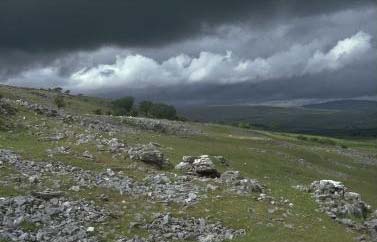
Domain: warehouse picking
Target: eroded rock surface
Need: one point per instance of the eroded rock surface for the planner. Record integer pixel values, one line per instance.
(198, 165)
(335, 199)
(165, 227)
(148, 153)
(239, 184)
(345, 207)
(27, 218)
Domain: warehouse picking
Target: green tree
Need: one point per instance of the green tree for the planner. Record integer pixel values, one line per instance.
(59, 101)
(163, 111)
(123, 105)
(145, 107)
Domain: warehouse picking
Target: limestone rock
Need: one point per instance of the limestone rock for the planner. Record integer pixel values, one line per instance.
(148, 153)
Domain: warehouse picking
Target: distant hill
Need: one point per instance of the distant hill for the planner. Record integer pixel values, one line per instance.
(349, 118)
(353, 105)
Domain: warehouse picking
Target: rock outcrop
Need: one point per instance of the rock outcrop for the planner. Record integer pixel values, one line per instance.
(148, 153)
(335, 199)
(198, 165)
(345, 207)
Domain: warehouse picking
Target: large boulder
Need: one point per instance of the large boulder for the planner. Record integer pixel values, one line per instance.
(198, 165)
(148, 153)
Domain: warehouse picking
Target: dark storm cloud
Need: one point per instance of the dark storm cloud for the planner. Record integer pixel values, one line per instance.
(218, 52)
(341, 84)
(48, 25)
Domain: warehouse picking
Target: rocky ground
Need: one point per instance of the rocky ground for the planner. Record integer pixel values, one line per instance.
(90, 179)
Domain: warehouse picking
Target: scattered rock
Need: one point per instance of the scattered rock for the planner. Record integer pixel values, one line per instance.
(59, 150)
(344, 206)
(56, 219)
(336, 201)
(75, 188)
(240, 184)
(166, 227)
(87, 155)
(148, 153)
(161, 126)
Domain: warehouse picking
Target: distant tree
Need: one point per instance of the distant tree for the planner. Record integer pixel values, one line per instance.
(59, 101)
(145, 107)
(67, 92)
(123, 105)
(244, 125)
(163, 111)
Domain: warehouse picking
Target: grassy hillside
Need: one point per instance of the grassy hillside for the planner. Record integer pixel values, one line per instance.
(335, 121)
(278, 160)
(75, 104)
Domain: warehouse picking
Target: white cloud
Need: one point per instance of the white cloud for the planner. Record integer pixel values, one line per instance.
(345, 52)
(138, 71)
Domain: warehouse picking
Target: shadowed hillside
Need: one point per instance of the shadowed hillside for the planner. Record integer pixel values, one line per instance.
(349, 118)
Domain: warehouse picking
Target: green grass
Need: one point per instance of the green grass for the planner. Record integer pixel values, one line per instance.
(279, 160)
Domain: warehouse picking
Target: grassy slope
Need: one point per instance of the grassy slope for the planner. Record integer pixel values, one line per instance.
(74, 104)
(267, 156)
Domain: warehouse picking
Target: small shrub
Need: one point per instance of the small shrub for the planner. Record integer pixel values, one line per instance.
(98, 111)
(327, 141)
(323, 141)
(29, 226)
(302, 137)
(134, 113)
(244, 125)
(59, 101)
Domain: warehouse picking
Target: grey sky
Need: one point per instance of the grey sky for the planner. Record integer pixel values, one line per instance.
(217, 51)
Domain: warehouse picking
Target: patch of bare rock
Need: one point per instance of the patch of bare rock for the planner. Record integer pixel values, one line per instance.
(48, 217)
(345, 207)
(162, 126)
(204, 166)
(160, 187)
(165, 227)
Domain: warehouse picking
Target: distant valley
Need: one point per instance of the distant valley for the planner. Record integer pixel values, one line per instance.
(334, 118)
